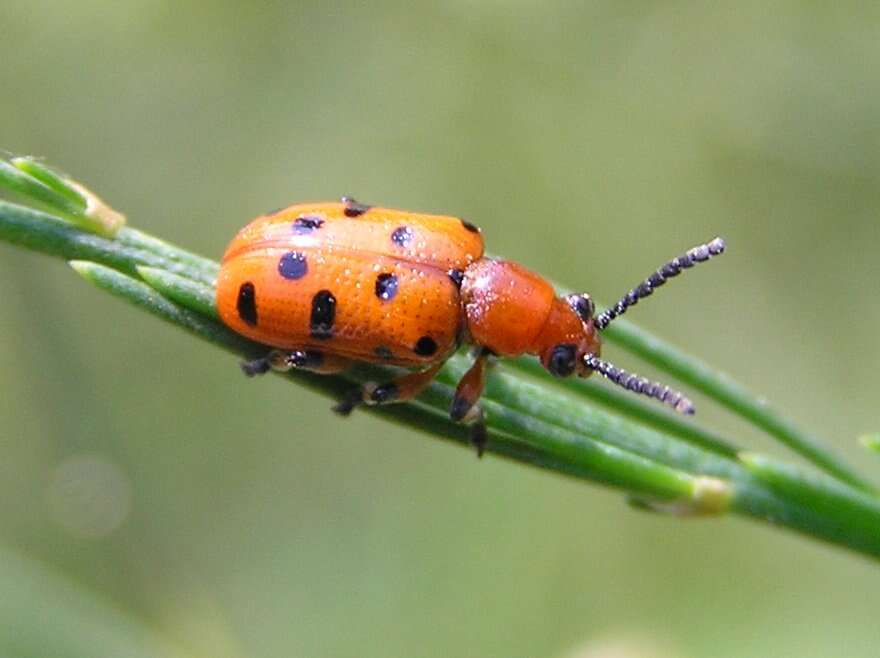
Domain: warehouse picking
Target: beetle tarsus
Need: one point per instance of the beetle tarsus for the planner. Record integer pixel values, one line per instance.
(256, 366)
(346, 405)
(479, 436)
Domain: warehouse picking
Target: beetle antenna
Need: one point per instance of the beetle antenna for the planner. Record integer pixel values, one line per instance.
(641, 385)
(693, 256)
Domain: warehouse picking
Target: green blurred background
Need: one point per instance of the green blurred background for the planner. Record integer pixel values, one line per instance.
(590, 141)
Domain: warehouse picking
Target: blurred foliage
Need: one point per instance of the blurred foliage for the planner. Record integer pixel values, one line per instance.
(590, 141)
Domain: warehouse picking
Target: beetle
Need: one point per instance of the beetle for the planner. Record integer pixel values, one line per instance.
(328, 284)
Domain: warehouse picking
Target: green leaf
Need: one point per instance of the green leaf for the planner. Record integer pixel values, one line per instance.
(36, 191)
(73, 201)
(185, 292)
(855, 514)
(51, 179)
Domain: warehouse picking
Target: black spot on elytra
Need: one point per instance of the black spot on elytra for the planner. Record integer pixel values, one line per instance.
(562, 360)
(247, 303)
(353, 208)
(383, 353)
(386, 286)
(305, 224)
(426, 346)
(457, 277)
(402, 236)
(323, 315)
(470, 227)
(293, 265)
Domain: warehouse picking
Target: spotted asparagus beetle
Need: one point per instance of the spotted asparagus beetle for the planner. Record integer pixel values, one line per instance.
(329, 284)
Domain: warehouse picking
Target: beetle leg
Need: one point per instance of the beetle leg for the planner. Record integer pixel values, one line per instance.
(282, 361)
(464, 407)
(479, 435)
(256, 366)
(401, 389)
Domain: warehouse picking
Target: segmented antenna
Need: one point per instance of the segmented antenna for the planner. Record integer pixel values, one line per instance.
(641, 385)
(673, 268)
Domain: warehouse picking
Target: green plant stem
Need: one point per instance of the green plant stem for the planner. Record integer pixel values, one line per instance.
(52, 180)
(732, 395)
(857, 514)
(50, 235)
(624, 469)
(200, 297)
(37, 191)
(648, 413)
(846, 516)
(680, 468)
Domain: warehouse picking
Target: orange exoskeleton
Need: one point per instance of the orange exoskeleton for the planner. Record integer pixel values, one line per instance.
(328, 284)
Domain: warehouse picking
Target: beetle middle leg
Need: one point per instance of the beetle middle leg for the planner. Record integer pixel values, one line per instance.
(284, 360)
(401, 389)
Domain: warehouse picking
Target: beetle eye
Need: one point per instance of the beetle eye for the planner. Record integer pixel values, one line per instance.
(562, 360)
(582, 305)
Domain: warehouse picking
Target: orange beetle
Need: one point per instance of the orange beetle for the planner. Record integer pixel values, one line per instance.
(327, 284)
